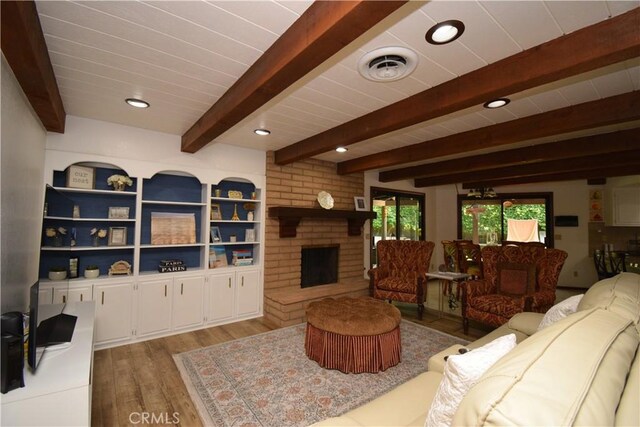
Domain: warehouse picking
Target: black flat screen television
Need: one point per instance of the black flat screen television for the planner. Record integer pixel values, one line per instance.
(48, 326)
(57, 329)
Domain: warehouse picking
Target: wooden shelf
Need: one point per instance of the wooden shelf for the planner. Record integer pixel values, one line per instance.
(290, 217)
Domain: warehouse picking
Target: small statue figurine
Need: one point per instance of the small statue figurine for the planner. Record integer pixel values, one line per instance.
(235, 216)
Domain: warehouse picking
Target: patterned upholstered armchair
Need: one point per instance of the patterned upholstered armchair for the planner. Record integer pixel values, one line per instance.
(400, 272)
(516, 279)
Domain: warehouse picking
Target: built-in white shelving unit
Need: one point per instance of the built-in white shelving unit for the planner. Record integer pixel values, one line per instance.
(146, 303)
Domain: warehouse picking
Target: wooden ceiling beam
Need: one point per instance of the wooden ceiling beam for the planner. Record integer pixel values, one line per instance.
(624, 158)
(26, 51)
(320, 32)
(590, 48)
(612, 110)
(597, 174)
(585, 146)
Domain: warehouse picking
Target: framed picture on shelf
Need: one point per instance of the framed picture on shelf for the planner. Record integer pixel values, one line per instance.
(250, 235)
(81, 177)
(359, 203)
(118, 212)
(216, 213)
(117, 236)
(217, 257)
(73, 267)
(216, 237)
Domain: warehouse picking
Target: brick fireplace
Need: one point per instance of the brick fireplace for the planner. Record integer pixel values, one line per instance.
(297, 185)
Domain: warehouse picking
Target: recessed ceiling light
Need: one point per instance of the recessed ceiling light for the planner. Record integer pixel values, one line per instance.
(497, 103)
(262, 132)
(445, 32)
(138, 103)
(341, 149)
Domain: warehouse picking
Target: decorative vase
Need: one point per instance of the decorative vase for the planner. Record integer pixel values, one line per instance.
(96, 240)
(57, 275)
(249, 216)
(118, 186)
(57, 240)
(91, 274)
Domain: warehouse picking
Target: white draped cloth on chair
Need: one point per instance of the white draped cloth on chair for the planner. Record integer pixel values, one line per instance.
(522, 230)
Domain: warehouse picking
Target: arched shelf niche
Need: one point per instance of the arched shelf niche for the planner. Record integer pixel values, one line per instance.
(173, 186)
(86, 175)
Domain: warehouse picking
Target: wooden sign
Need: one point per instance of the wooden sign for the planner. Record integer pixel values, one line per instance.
(81, 177)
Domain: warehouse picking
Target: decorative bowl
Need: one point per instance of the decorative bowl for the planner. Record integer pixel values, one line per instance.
(57, 275)
(234, 194)
(325, 200)
(91, 274)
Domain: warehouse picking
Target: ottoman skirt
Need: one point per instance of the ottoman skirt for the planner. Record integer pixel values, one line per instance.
(353, 354)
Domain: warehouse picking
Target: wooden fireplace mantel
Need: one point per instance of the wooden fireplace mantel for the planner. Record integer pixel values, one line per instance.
(289, 218)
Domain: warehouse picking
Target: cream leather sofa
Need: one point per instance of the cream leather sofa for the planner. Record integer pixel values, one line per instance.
(582, 370)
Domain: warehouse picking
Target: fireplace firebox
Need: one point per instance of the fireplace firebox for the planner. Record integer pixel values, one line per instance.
(319, 265)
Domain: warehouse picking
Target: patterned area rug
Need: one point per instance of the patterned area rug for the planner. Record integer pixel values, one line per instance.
(267, 380)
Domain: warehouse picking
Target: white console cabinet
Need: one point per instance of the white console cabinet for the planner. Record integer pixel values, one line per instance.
(233, 296)
(154, 306)
(73, 294)
(169, 303)
(188, 302)
(59, 393)
(221, 296)
(114, 304)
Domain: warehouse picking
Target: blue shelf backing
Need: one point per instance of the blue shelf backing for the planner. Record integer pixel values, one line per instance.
(151, 257)
(145, 237)
(172, 188)
(225, 186)
(103, 259)
(238, 229)
(101, 175)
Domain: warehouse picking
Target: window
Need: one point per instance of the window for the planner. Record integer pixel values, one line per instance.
(489, 217)
(400, 216)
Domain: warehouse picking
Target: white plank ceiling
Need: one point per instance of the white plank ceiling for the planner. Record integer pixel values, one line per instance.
(181, 56)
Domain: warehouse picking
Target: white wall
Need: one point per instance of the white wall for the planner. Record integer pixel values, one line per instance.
(569, 198)
(22, 159)
(125, 142)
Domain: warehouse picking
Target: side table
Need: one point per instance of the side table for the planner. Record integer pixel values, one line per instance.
(445, 279)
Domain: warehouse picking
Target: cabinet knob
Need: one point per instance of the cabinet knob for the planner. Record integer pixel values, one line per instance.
(165, 290)
(102, 297)
(242, 281)
(81, 295)
(64, 299)
(229, 282)
(181, 288)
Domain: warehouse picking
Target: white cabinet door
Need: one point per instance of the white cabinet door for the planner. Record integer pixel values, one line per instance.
(626, 206)
(221, 301)
(113, 311)
(75, 294)
(247, 293)
(154, 306)
(188, 301)
(45, 295)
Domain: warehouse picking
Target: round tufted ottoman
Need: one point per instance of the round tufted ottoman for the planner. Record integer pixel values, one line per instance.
(353, 334)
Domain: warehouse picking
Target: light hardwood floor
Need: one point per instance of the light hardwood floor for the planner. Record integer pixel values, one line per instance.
(142, 377)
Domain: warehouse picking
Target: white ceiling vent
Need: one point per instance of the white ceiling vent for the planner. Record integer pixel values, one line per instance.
(388, 64)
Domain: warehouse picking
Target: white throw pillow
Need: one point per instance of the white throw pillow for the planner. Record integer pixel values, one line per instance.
(461, 372)
(560, 311)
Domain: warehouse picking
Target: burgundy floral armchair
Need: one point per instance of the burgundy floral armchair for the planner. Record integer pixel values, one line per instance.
(400, 274)
(516, 279)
